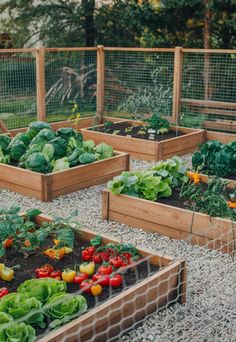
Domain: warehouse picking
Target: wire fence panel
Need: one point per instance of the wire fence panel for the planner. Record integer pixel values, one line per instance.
(208, 90)
(70, 78)
(138, 83)
(18, 106)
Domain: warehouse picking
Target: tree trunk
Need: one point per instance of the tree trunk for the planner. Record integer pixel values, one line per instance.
(88, 7)
(207, 45)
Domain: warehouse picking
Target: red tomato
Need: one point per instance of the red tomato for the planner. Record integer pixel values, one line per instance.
(55, 274)
(116, 262)
(80, 277)
(7, 243)
(86, 286)
(105, 269)
(102, 279)
(97, 259)
(127, 255)
(105, 256)
(86, 256)
(3, 292)
(90, 249)
(116, 280)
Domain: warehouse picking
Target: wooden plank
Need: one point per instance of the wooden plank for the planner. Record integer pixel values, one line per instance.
(209, 50)
(205, 103)
(46, 189)
(23, 178)
(221, 125)
(176, 223)
(18, 50)
(215, 111)
(71, 49)
(134, 49)
(225, 138)
(84, 173)
(140, 209)
(177, 84)
(100, 81)
(121, 143)
(4, 127)
(40, 82)
(20, 189)
(186, 142)
(86, 184)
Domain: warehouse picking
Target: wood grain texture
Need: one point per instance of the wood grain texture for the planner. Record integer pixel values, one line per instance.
(171, 221)
(150, 150)
(46, 187)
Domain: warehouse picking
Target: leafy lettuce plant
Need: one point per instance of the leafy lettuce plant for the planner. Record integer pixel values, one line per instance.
(17, 332)
(63, 307)
(42, 289)
(19, 306)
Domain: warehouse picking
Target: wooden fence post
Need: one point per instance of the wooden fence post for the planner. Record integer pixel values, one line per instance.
(40, 73)
(100, 82)
(177, 84)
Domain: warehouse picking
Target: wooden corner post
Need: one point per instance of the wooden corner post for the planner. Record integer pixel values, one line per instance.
(177, 84)
(40, 73)
(100, 82)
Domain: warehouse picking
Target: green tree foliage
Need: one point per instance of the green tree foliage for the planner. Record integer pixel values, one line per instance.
(122, 23)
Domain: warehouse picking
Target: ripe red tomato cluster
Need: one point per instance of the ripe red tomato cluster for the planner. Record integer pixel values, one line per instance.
(47, 271)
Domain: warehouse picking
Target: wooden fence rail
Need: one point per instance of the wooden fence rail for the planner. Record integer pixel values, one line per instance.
(206, 106)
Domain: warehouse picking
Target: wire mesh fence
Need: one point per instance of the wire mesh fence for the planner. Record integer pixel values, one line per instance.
(138, 82)
(18, 105)
(208, 90)
(70, 79)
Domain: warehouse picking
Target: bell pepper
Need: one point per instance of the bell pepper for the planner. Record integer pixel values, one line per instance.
(3, 292)
(56, 274)
(80, 277)
(57, 253)
(68, 276)
(44, 271)
(7, 274)
(88, 268)
(96, 290)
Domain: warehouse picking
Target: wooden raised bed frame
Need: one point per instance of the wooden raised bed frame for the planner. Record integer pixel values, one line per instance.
(176, 223)
(147, 149)
(166, 286)
(47, 186)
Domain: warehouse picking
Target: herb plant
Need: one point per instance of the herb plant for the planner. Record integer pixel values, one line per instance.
(161, 126)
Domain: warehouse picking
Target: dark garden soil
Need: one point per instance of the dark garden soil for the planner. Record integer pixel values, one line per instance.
(128, 130)
(29, 264)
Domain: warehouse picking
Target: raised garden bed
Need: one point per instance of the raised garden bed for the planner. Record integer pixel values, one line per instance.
(47, 186)
(153, 283)
(169, 220)
(179, 141)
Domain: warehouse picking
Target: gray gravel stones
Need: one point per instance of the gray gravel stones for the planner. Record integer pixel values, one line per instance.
(210, 312)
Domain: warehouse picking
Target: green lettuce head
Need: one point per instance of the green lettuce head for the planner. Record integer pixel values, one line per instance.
(63, 307)
(17, 332)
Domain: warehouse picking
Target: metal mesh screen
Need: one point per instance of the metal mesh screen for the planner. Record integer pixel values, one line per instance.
(17, 88)
(208, 77)
(138, 82)
(70, 78)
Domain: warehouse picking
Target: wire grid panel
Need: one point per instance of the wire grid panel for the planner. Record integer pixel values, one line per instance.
(138, 83)
(209, 80)
(70, 78)
(18, 106)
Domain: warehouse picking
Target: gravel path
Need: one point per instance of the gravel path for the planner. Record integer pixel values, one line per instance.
(210, 312)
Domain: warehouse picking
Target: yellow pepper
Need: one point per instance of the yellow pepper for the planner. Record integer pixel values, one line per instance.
(6, 273)
(96, 290)
(57, 253)
(87, 268)
(68, 276)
